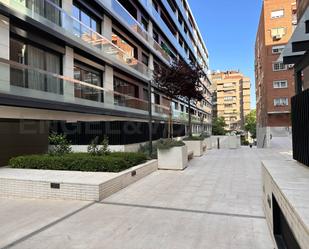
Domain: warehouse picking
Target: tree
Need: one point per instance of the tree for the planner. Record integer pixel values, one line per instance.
(169, 81)
(250, 123)
(218, 126)
(192, 88)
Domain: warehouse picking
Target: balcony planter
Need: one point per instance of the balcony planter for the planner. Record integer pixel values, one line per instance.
(172, 156)
(195, 144)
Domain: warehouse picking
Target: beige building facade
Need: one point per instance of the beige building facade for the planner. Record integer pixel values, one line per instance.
(231, 98)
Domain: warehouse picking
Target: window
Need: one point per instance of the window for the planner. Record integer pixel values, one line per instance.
(156, 36)
(280, 84)
(144, 23)
(124, 44)
(277, 49)
(145, 59)
(157, 99)
(278, 33)
(279, 66)
(176, 105)
(277, 14)
(91, 76)
(43, 59)
(155, 5)
(125, 88)
(145, 94)
(228, 98)
(182, 108)
(88, 20)
(281, 102)
(46, 9)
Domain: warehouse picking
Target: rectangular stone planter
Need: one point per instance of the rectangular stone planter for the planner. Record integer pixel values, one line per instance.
(69, 185)
(175, 158)
(196, 146)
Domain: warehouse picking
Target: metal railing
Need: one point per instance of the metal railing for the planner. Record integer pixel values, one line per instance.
(300, 124)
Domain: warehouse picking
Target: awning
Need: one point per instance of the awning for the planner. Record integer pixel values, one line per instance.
(298, 44)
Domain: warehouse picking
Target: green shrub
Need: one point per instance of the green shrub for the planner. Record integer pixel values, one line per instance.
(114, 162)
(60, 145)
(96, 150)
(165, 144)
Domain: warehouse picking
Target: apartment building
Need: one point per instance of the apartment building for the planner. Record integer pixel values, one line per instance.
(231, 92)
(83, 68)
(274, 80)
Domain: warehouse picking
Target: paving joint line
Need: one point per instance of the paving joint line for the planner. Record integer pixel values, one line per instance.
(184, 210)
(53, 223)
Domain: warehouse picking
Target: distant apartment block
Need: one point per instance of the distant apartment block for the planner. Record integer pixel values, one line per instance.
(231, 92)
(82, 68)
(274, 80)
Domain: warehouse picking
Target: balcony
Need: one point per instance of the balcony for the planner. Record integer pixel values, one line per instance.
(127, 19)
(26, 81)
(56, 18)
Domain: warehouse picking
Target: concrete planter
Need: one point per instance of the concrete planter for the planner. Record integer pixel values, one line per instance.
(175, 158)
(196, 146)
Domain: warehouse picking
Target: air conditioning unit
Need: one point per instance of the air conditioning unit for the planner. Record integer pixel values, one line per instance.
(291, 66)
(277, 37)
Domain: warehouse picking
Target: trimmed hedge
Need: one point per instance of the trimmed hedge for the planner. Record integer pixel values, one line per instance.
(114, 162)
(168, 144)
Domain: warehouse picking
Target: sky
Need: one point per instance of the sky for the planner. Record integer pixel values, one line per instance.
(229, 30)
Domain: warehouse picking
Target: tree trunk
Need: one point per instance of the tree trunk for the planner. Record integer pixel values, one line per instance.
(190, 122)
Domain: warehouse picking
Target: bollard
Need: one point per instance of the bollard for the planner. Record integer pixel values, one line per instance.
(218, 143)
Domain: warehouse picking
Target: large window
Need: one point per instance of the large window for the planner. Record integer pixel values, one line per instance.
(38, 59)
(124, 45)
(277, 14)
(91, 76)
(280, 84)
(125, 90)
(281, 102)
(48, 9)
(88, 20)
(279, 66)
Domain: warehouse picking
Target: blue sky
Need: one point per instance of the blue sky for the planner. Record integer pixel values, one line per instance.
(229, 30)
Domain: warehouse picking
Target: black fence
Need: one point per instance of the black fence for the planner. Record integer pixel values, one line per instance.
(118, 132)
(300, 127)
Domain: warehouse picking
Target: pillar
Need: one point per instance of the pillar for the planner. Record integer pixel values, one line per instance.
(4, 53)
(108, 84)
(68, 71)
(107, 27)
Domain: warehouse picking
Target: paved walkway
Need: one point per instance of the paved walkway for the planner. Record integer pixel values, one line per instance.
(213, 204)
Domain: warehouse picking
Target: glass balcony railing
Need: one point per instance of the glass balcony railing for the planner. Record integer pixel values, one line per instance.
(53, 14)
(122, 13)
(127, 18)
(26, 81)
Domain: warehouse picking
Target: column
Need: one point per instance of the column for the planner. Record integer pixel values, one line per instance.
(4, 53)
(68, 71)
(108, 84)
(67, 6)
(107, 27)
(150, 32)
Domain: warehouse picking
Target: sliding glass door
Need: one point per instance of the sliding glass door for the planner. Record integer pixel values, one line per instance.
(42, 65)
